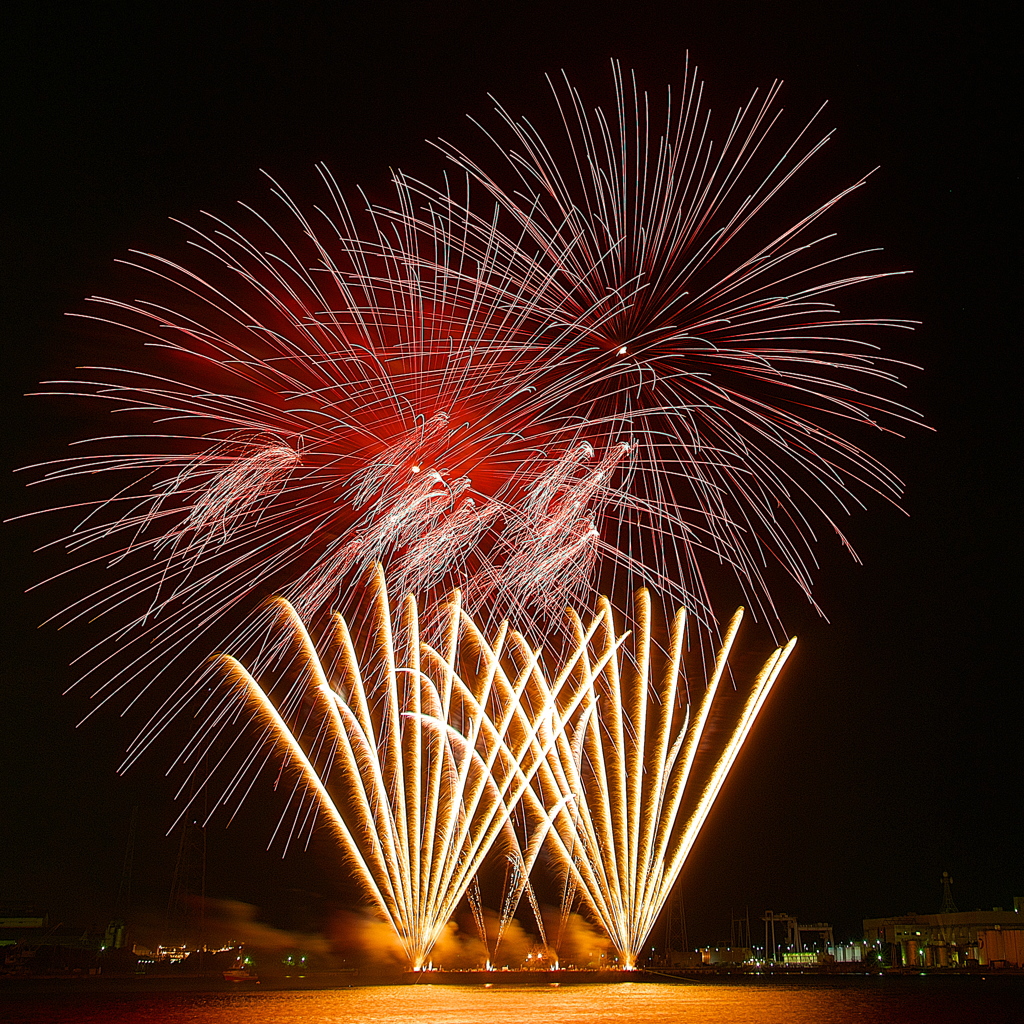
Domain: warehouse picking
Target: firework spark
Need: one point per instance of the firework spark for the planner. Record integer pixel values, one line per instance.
(656, 301)
(325, 421)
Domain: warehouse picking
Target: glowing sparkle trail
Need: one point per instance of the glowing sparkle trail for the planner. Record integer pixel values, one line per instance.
(638, 770)
(417, 756)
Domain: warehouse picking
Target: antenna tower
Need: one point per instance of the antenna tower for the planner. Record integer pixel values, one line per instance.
(948, 906)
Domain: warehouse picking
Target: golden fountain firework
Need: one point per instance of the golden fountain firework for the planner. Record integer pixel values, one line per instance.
(420, 755)
(642, 767)
(417, 756)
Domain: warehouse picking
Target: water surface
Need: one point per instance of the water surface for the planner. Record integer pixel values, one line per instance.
(881, 1001)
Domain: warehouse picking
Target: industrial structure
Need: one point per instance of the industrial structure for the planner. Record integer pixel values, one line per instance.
(987, 938)
(794, 947)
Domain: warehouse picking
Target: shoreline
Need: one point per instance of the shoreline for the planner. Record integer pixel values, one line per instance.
(83, 984)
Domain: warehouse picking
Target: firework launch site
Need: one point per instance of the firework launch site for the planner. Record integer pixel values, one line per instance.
(38, 957)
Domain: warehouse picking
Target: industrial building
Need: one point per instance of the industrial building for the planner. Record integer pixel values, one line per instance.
(989, 938)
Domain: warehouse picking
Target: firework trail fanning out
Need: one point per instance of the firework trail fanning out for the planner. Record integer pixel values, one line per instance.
(327, 419)
(419, 756)
(601, 373)
(643, 769)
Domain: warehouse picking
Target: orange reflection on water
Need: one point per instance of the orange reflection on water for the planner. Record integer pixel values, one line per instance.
(855, 1000)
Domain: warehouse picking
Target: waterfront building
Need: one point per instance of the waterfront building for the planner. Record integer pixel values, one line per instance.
(988, 938)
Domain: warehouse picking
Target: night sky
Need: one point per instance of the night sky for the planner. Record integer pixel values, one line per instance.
(891, 749)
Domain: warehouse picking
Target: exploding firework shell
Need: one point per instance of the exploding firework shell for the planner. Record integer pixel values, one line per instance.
(317, 415)
(588, 370)
(657, 302)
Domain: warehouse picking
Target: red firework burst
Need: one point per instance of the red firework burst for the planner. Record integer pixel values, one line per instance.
(316, 414)
(596, 366)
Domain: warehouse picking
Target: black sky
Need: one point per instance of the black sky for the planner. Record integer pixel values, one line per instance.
(892, 749)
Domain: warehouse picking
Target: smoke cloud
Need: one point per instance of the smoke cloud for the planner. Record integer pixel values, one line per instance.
(234, 922)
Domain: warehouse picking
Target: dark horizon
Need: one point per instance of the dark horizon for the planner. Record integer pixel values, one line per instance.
(890, 750)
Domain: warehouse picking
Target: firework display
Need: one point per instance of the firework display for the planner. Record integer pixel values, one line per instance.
(593, 366)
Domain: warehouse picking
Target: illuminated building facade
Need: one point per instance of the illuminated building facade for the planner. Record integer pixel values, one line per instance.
(989, 938)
